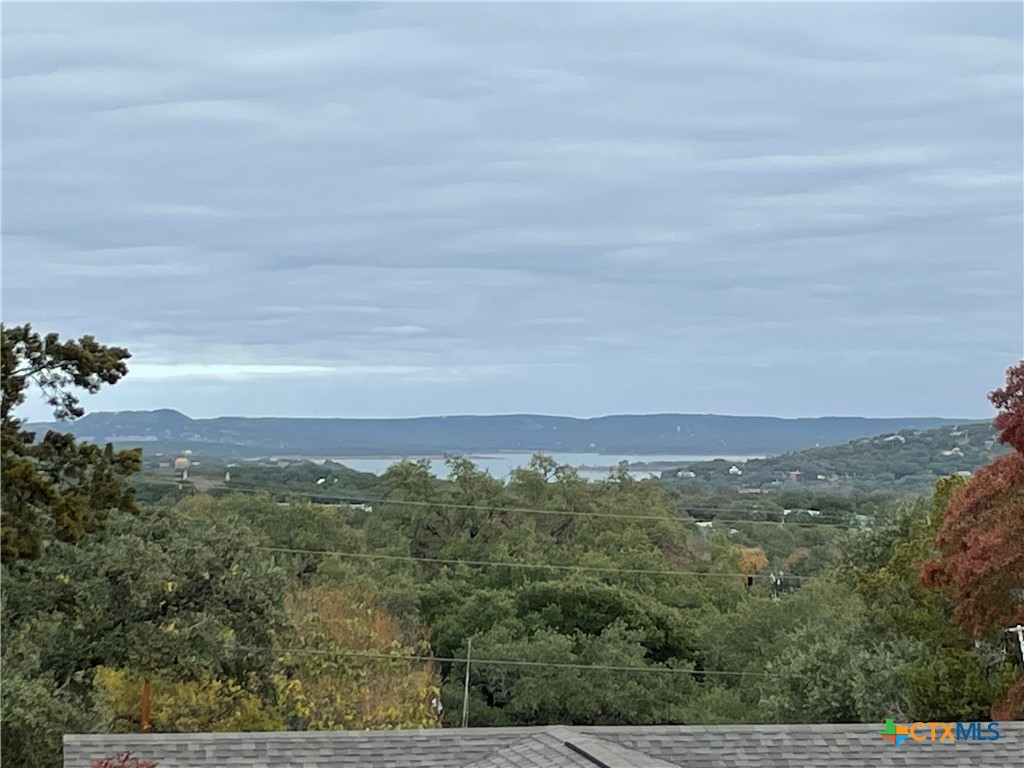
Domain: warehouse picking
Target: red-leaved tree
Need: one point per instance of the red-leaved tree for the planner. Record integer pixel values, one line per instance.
(123, 760)
(980, 546)
(1009, 401)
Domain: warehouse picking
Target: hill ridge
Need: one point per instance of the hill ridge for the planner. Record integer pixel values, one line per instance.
(678, 433)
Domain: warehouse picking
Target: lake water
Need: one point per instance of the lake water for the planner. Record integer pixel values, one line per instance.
(499, 465)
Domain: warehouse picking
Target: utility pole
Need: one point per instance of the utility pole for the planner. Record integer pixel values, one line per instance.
(465, 689)
(1019, 629)
(145, 706)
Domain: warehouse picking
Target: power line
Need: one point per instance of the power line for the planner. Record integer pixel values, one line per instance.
(500, 662)
(501, 564)
(352, 499)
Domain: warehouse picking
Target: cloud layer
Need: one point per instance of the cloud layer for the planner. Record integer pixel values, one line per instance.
(339, 209)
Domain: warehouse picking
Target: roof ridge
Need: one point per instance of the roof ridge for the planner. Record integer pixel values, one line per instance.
(607, 754)
(539, 748)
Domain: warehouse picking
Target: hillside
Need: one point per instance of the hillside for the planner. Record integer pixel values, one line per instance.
(167, 430)
(909, 460)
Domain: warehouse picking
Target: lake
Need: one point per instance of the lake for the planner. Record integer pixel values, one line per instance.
(500, 465)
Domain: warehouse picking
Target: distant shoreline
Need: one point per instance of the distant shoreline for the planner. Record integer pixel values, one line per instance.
(636, 461)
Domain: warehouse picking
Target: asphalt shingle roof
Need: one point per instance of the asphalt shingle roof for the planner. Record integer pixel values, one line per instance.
(721, 746)
(539, 750)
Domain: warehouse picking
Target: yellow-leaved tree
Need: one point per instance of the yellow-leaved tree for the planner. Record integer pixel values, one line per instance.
(345, 666)
(751, 561)
(349, 667)
(182, 706)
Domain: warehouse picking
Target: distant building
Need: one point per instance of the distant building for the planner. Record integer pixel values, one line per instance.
(182, 463)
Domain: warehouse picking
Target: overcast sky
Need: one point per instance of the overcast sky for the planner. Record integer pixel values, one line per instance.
(411, 209)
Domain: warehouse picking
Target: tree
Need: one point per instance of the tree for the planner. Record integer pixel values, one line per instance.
(1009, 401)
(34, 709)
(56, 489)
(205, 704)
(348, 665)
(980, 560)
(174, 596)
(949, 677)
(751, 561)
(572, 678)
(834, 674)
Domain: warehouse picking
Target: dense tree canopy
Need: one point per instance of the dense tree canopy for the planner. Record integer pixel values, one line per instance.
(611, 602)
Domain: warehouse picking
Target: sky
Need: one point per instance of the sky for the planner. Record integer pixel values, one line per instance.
(578, 209)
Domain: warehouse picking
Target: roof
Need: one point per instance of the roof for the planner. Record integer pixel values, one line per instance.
(658, 746)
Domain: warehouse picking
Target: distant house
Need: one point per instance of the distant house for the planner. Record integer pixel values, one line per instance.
(655, 746)
(734, 470)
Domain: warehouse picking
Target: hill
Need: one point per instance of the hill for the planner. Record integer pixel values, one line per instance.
(907, 460)
(694, 434)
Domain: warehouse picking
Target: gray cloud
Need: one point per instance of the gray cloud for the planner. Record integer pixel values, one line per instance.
(582, 209)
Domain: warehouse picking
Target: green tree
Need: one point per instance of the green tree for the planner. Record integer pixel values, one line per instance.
(571, 678)
(169, 594)
(36, 709)
(56, 489)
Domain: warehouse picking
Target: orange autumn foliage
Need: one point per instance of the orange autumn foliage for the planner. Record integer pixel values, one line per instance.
(981, 548)
(751, 560)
